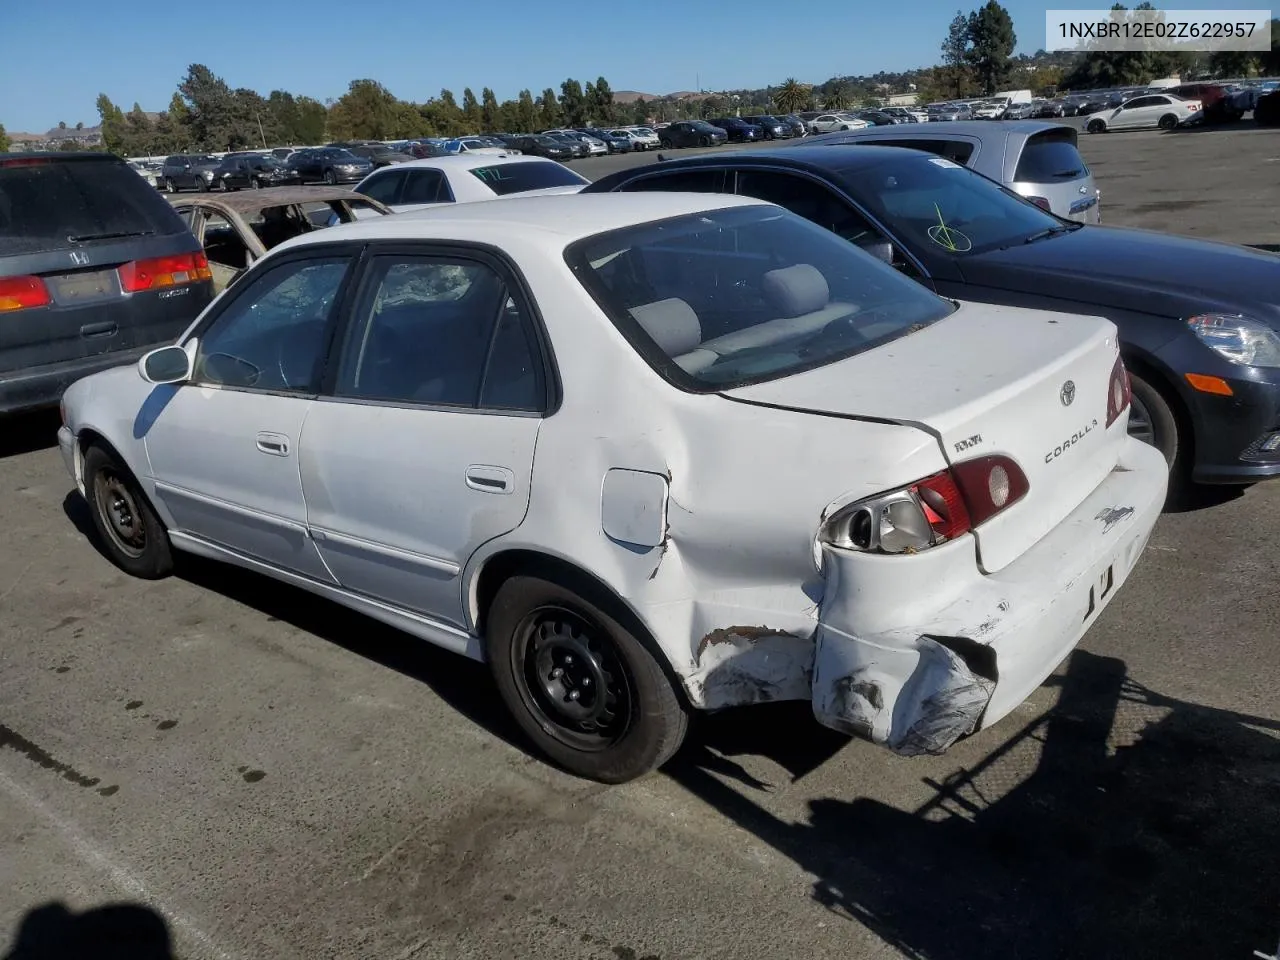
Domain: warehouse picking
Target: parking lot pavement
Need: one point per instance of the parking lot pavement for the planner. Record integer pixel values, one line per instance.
(279, 778)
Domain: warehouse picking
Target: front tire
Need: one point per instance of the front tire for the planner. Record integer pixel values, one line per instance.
(127, 526)
(330, 178)
(1096, 126)
(170, 187)
(1152, 420)
(579, 684)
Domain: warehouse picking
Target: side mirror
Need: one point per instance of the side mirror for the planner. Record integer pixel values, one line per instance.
(171, 364)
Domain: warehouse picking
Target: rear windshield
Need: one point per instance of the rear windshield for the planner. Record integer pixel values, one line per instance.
(508, 178)
(1050, 158)
(45, 204)
(728, 297)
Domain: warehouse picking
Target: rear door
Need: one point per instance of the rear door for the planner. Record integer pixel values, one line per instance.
(422, 447)
(77, 229)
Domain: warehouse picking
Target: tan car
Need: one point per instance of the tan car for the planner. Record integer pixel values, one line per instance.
(237, 229)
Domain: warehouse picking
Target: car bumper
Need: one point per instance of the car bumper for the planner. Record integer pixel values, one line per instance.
(1236, 436)
(67, 447)
(36, 388)
(916, 652)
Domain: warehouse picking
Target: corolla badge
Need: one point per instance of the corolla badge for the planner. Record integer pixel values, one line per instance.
(1068, 393)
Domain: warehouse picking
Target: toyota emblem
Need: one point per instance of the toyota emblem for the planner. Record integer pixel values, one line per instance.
(1068, 393)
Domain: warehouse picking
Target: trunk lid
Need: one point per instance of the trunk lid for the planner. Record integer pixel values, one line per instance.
(987, 380)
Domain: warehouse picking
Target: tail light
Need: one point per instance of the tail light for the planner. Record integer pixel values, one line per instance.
(160, 272)
(23, 293)
(1119, 392)
(1041, 202)
(928, 512)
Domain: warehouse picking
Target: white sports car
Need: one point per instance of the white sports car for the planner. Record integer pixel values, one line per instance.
(643, 454)
(465, 178)
(832, 122)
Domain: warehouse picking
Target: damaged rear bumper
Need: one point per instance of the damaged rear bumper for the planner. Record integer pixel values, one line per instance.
(914, 652)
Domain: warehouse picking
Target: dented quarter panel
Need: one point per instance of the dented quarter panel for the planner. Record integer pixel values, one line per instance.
(747, 488)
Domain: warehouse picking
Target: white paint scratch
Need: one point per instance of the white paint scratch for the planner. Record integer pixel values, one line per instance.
(118, 873)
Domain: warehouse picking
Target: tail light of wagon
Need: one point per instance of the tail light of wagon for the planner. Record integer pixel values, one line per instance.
(929, 512)
(142, 275)
(23, 293)
(1042, 203)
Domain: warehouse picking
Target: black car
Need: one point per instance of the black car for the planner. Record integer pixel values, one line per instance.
(188, 172)
(877, 118)
(774, 128)
(96, 268)
(1051, 108)
(539, 145)
(332, 165)
(239, 171)
(578, 147)
(738, 130)
(1199, 321)
(378, 154)
(691, 133)
(617, 143)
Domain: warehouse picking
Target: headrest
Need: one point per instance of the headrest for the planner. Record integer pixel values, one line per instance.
(672, 324)
(796, 290)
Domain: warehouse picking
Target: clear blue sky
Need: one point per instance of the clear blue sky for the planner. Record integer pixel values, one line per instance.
(60, 55)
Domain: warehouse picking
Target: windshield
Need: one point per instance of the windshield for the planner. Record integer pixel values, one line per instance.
(545, 140)
(508, 178)
(344, 155)
(703, 125)
(727, 297)
(945, 207)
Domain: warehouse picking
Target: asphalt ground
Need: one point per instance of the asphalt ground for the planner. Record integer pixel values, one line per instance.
(257, 773)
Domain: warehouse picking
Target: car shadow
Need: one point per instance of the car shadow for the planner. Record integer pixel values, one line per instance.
(118, 931)
(1122, 824)
(28, 432)
(1204, 497)
(460, 682)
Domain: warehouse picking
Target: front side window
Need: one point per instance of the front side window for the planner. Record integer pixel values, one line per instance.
(726, 297)
(384, 187)
(424, 333)
(680, 181)
(947, 208)
(272, 336)
(424, 186)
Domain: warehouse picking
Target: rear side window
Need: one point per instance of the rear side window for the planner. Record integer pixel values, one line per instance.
(508, 178)
(1050, 158)
(45, 205)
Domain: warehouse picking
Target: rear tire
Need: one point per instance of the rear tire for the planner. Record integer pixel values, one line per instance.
(579, 684)
(127, 526)
(1168, 122)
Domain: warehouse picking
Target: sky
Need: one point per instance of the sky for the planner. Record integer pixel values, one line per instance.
(316, 47)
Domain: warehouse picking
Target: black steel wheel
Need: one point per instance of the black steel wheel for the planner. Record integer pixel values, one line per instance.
(584, 689)
(132, 535)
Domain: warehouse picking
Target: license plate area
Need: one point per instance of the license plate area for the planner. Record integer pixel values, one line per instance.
(91, 286)
(1101, 590)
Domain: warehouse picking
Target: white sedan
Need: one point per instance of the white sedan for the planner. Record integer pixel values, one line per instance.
(643, 454)
(642, 137)
(465, 178)
(1150, 111)
(831, 122)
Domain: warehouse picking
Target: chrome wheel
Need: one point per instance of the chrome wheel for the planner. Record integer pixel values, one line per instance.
(1140, 427)
(116, 505)
(572, 678)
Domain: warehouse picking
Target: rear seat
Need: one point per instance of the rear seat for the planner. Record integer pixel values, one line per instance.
(799, 293)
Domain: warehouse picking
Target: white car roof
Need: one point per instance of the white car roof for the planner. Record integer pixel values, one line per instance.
(567, 218)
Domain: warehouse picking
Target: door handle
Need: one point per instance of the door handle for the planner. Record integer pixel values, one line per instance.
(488, 479)
(274, 444)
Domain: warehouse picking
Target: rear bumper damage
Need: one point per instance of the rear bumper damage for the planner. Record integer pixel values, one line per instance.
(915, 652)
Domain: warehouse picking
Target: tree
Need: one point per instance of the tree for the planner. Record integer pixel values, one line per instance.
(4, 140)
(602, 110)
(367, 111)
(835, 97)
(310, 124)
(792, 96)
(490, 112)
(215, 120)
(991, 40)
(548, 110)
(470, 111)
(955, 53)
(69, 145)
(525, 114)
(62, 124)
(138, 133)
(573, 104)
(111, 122)
(79, 125)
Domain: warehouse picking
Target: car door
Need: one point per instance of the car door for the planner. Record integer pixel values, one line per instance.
(421, 448)
(222, 447)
